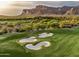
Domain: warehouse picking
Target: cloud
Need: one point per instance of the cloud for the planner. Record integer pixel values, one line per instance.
(31, 4)
(16, 7)
(58, 3)
(10, 11)
(23, 4)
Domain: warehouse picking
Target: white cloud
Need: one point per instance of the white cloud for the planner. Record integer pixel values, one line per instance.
(16, 7)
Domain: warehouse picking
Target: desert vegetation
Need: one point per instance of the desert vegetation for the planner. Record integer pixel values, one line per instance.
(37, 23)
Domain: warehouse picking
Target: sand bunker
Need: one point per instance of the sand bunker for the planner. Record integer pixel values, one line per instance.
(32, 47)
(27, 40)
(44, 35)
(38, 46)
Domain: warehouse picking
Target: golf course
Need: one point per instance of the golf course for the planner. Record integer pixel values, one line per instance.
(39, 28)
(39, 37)
(64, 42)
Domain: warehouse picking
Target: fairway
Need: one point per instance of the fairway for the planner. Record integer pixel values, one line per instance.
(65, 42)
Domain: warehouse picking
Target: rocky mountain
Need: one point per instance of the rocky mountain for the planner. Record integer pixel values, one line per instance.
(45, 10)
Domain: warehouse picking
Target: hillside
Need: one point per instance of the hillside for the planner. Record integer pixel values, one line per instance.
(42, 10)
(45, 10)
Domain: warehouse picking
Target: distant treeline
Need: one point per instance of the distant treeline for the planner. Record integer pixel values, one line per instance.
(39, 18)
(37, 23)
(42, 17)
(33, 18)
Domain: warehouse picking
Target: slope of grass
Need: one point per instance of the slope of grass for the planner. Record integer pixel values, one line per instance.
(65, 42)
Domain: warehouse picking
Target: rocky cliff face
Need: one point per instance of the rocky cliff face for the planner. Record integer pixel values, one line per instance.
(45, 10)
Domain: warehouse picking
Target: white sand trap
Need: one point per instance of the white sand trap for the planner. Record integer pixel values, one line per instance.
(32, 47)
(27, 40)
(38, 46)
(44, 43)
(44, 35)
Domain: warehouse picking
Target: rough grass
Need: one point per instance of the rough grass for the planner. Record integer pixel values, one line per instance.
(65, 42)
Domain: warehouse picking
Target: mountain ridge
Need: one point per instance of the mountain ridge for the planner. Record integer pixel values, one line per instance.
(43, 10)
(46, 10)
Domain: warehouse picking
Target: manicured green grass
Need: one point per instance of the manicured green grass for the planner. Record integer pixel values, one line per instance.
(65, 42)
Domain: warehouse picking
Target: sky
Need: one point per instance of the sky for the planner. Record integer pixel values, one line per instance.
(14, 8)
